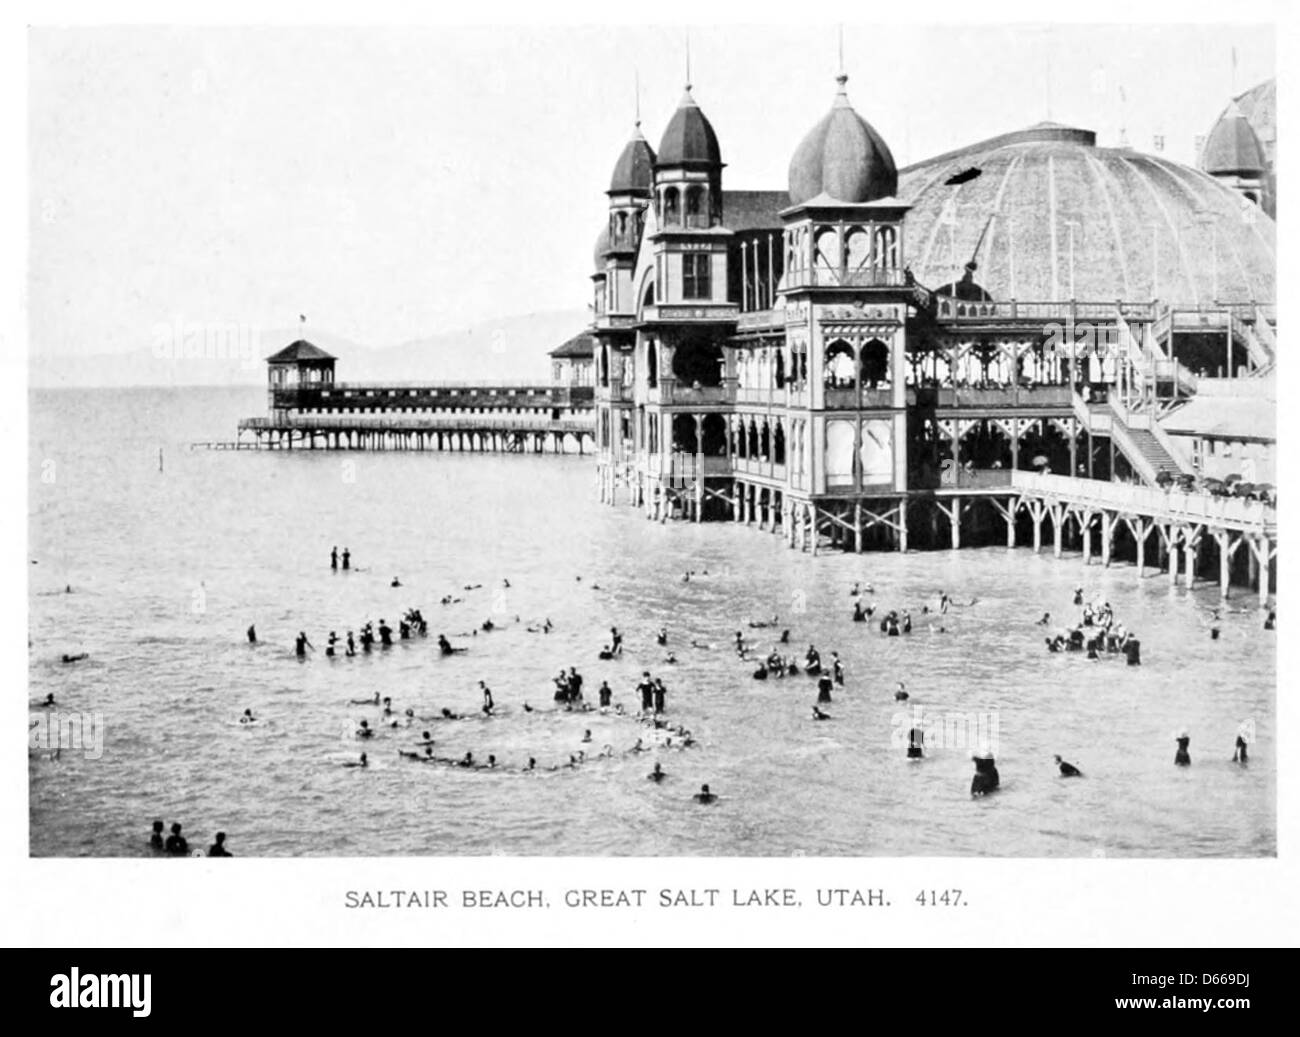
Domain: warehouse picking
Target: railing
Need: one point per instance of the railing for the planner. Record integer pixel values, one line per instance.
(687, 395)
(412, 423)
(870, 277)
(1176, 505)
(1015, 310)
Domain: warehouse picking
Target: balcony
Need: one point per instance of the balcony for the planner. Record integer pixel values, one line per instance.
(691, 313)
(823, 277)
(669, 393)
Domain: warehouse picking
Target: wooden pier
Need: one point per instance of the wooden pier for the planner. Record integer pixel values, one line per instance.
(464, 432)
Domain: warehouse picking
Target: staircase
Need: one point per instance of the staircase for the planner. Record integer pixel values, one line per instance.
(1143, 444)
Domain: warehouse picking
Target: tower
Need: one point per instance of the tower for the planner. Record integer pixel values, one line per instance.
(846, 295)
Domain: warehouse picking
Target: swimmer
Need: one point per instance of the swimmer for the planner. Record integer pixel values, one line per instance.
(352, 645)
(670, 659)
(532, 764)
(1047, 618)
(366, 702)
(248, 717)
(639, 747)
(252, 634)
(176, 844)
(785, 637)
(301, 644)
(1068, 770)
(527, 708)
(75, 658)
(901, 694)
(396, 582)
(492, 762)
(447, 714)
(334, 557)
(365, 730)
(466, 761)
(425, 738)
(986, 777)
(363, 762)
(488, 704)
(1270, 623)
(915, 743)
(1239, 754)
(586, 736)
(1078, 595)
(156, 841)
(705, 796)
(1182, 758)
(662, 636)
(657, 774)
(818, 714)
(824, 686)
(49, 701)
(218, 848)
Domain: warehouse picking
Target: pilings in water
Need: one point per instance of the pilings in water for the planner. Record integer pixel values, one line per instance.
(448, 440)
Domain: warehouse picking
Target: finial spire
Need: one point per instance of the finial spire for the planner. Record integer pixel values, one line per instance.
(688, 60)
(636, 75)
(841, 48)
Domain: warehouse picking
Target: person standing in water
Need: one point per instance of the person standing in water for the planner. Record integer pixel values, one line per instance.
(986, 777)
(347, 559)
(302, 644)
(176, 844)
(252, 634)
(156, 841)
(1182, 758)
(660, 694)
(334, 558)
(488, 704)
(218, 849)
(705, 796)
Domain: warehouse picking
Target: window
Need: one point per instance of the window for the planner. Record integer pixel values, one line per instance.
(695, 276)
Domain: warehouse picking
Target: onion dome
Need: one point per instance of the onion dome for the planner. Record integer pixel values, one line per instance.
(843, 158)
(689, 140)
(1233, 147)
(634, 171)
(602, 246)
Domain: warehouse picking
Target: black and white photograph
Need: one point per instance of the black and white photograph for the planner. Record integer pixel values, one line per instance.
(824, 437)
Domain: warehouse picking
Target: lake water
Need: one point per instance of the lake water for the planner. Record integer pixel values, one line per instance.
(168, 568)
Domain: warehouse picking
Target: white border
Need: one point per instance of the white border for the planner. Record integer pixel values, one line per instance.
(299, 902)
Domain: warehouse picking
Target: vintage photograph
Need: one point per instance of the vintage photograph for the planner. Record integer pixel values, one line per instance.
(699, 440)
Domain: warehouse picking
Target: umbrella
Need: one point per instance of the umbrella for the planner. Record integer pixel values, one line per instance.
(1039, 461)
(1244, 489)
(1234, 477)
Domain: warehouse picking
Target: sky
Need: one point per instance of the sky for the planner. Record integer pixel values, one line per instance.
(395, 183)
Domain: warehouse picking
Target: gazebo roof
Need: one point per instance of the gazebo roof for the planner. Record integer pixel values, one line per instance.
(299, 351)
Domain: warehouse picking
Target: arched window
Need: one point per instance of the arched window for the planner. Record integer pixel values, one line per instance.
(828, 250)
(857, 248)
(779, 373)
(714, 436)
(671, 214)
(764, 443)
(684, 440)
(886, 254)
(604, 365)
(694, 197)
(652, 363)
(838, 370)
(753, 439)
(875, 364)
(778, 445)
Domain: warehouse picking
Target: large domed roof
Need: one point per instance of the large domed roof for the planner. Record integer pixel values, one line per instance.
(635, 169)
(1045, 213)
(1232, 146)
(689, 140)
(843, 158)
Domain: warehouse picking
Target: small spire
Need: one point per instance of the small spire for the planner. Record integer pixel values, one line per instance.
(841, 50)
(688, 62)
(636, 73)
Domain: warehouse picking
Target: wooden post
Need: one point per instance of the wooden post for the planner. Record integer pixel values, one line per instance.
(955, 523)
(1222, 537)
(1107, 534)
(1141, 546)
(1085, 529)
(902, 524)
(1011, 522)
(1190, 545)
(857, 526)
(1264, 549)
(1036, 513)
(812, 527)
(1058, 519)
(1173, 559)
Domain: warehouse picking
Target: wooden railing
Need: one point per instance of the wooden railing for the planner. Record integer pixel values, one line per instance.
(1174, 505)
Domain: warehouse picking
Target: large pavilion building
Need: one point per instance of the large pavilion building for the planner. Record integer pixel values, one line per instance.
(846, 358)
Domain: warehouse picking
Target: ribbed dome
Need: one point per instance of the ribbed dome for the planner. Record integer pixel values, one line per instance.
(842, 157)
(689, 139)
(635, 169)
(1141, 226)
(1233, 147)
(602, 246)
